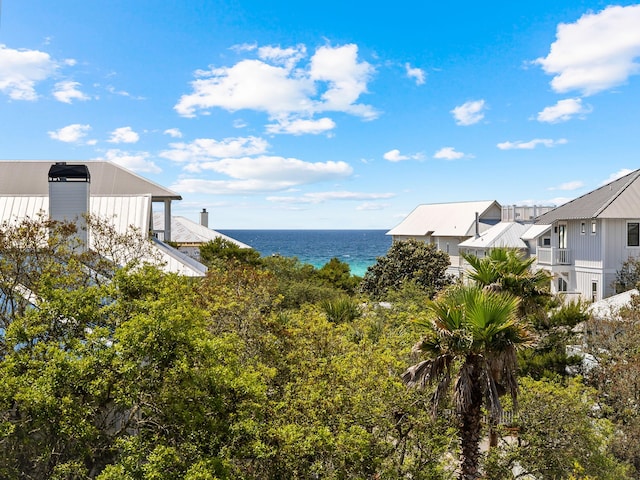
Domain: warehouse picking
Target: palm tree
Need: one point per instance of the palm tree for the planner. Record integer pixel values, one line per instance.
(470, 344)
(506, 269)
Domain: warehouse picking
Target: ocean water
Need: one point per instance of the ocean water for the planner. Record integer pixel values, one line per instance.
(358, 248)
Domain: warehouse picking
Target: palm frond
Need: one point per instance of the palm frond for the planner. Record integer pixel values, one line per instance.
(464, 388)
(418, 375)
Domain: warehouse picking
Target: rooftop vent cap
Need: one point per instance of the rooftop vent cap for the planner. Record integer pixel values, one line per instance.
(61, 172)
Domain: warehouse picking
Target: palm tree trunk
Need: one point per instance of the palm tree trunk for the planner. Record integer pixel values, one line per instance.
(470, 436)
(470, 417)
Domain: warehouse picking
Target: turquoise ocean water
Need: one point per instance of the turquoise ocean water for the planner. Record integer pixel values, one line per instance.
(358, 248)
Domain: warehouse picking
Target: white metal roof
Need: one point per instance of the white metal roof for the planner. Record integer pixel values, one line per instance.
(617, 199)
(177, 262)
(534, 231)
(123, 211)
(28, 177)
(444, 219)
(503, 234)
(185, 231)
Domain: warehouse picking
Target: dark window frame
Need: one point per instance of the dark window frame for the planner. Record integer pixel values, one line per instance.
(633, 234)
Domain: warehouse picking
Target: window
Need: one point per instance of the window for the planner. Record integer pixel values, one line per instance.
(593, 227)
(546, 241)
(562, 284)
(583, 228)
(633, 234)
(562, 235)
(594, 291)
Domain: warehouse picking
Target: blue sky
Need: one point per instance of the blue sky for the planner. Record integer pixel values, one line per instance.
(327, 115)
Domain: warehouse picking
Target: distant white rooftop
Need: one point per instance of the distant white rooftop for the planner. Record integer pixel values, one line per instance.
(444, 219)
(185, 231)
(503, 234)
(534, 231)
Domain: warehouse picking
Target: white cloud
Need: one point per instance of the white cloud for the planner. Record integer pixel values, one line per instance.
(371, 206)
(469, 112)
(124, 135)
(279, 169)
(283, 56)
(20, 70)
(416, 73)
(205, 149)
(531, 144)
(281, 85)
(321, 197)
(301, 126)
(449, 153)
(173, 132)
(573, 185)
(616, 175)
(226, 187)
(249, 84)
(564, 110)
(67, 91)
(244, 47)
(71, 133)
(557, 201)
(595, 53)
(111, 89)
(262, 174)
(346, 79)
(137, 162)
(395, 156)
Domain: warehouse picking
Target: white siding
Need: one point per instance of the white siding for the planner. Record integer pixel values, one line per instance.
(617, 251)
(586, 250)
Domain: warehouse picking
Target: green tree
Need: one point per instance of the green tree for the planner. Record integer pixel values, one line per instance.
(471, 341)
(222, 250)
(298, 283)
(558, 433)
(407, 261)
(338, 275)
(612, 344)
(628, 277)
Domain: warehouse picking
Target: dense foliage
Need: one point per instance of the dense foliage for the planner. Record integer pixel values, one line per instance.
(267, 369)
(407, 261)
(628, 277)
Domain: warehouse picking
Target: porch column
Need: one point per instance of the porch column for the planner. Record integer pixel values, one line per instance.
(167, 220)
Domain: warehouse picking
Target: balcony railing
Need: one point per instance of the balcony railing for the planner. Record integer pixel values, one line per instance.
(553, 256)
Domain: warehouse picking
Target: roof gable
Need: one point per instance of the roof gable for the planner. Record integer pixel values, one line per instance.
(27, 177)
(184, 230)
(618, 199)
(447, 219)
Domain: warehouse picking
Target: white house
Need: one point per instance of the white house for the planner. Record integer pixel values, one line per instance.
(447, 225)
(103, 189)
(189, 235)
(591, 237)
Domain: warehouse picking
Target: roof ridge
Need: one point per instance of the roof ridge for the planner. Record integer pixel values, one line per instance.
(634, 177)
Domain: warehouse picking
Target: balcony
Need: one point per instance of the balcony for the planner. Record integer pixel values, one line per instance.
(553, 256)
